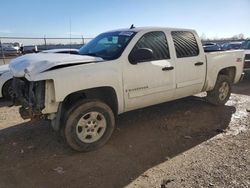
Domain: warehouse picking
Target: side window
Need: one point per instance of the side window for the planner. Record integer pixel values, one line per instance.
(157, 42)
(185, 44)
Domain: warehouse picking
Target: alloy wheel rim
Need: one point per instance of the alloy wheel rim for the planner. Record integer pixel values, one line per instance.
(223, 91)
(91, 127)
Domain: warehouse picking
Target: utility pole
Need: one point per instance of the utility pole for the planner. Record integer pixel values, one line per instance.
(45, 42)
(82, 40)
(70, 36)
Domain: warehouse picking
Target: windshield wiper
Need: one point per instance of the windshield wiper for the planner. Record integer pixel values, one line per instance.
(91, 54)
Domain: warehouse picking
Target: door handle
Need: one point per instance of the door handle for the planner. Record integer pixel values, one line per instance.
(198, 63)
(167, 68)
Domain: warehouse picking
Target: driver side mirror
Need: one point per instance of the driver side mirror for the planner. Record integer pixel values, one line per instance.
(140, 55)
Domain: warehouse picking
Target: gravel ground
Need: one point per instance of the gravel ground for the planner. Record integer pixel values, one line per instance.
(184, 143)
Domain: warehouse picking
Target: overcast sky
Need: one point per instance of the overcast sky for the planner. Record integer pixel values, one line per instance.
(214, 18)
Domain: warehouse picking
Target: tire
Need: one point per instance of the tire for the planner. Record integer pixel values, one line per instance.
(7, 90)
(88, 125)
(221, 92)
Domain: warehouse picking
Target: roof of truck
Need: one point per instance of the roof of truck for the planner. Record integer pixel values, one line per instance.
(138, 29)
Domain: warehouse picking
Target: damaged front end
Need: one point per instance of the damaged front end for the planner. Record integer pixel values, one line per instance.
(30, 95)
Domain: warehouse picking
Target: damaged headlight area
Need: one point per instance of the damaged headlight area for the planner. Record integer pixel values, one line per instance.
(30, 95)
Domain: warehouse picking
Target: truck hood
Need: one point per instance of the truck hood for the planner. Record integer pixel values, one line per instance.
(33, 64)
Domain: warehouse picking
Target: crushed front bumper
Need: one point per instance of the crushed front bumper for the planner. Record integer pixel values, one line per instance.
(30, 95)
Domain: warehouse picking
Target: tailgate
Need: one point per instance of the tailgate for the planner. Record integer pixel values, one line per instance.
(247, 61)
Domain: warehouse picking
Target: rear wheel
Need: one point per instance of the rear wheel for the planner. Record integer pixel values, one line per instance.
(221, 92)
(88, 125)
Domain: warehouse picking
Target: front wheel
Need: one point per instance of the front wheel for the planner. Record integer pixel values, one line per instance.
(89, 125)
(221, 92)
(7, 90)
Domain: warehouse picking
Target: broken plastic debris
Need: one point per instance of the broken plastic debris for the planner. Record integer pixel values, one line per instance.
(59, 170)
(187, 137)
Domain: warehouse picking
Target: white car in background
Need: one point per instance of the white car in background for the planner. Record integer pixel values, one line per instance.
(9, 49)
(6, 76)
(5, 81)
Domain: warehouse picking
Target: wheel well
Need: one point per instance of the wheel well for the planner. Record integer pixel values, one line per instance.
(105, 94)
(229, 71)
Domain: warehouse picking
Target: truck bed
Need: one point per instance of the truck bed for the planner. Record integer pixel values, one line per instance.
(223, 59)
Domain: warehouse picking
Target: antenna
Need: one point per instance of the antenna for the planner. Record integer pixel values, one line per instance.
(132, 26)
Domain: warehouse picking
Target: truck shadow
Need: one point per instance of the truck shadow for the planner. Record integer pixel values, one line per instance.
(4, 103)
(33, 154)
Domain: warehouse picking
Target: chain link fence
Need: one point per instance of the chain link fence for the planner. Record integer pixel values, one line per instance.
(11, 47)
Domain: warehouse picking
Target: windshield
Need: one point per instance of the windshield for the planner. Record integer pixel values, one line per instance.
(108, 46)
(245, 45)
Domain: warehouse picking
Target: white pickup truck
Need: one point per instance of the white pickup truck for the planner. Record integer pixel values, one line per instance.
(116, 72)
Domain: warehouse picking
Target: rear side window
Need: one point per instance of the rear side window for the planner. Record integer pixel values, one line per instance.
(185, 44)
(155, 41)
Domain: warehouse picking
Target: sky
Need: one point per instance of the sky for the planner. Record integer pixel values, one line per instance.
(87, 18)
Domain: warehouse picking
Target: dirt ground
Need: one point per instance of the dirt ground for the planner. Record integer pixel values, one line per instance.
(184, 143)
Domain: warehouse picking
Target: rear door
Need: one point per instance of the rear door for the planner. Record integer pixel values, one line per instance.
(190, 63)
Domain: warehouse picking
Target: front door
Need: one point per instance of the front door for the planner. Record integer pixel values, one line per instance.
(150, 82)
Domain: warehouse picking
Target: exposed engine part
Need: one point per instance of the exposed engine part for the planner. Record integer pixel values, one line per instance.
(30, 95)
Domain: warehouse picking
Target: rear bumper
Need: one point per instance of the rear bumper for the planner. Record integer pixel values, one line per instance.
(247, 62)
(246, 69)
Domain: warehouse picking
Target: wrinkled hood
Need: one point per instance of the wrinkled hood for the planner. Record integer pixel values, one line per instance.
(33, 64)
(4, 68)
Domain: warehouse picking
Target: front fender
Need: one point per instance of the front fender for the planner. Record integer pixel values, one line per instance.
(77, 78)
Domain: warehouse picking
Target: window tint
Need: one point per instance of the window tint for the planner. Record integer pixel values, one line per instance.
(185, 44)
(157, 42)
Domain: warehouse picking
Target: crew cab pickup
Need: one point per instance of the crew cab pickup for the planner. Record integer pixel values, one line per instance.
(116, 72)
